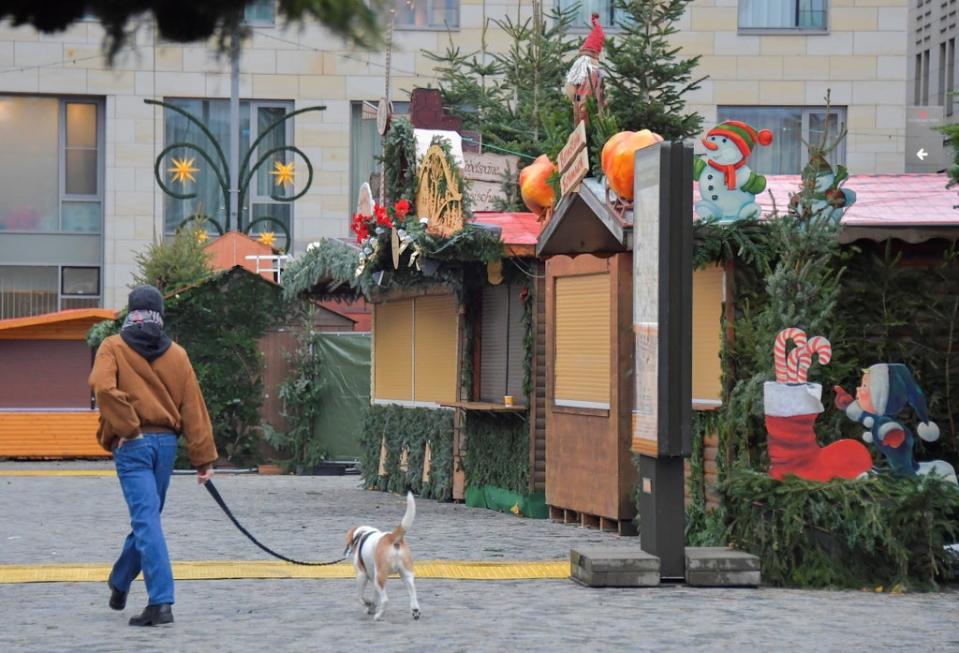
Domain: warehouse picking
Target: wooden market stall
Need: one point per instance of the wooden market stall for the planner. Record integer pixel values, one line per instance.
(590, 474)
(46, 410)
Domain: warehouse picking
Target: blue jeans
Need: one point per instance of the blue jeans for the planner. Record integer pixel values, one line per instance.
(144, 467)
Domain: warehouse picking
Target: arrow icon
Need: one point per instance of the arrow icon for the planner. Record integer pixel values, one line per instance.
(922, 154)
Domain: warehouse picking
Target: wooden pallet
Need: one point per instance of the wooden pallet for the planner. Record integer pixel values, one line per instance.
(622, 527)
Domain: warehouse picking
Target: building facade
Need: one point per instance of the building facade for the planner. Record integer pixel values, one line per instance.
(78, 197)
(931, 80)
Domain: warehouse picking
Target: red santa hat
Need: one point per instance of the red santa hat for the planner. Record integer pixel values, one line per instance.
(594, 42)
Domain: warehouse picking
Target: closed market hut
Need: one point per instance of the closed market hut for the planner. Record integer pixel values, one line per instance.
(587, 244)
(456, 411)
(46, 410)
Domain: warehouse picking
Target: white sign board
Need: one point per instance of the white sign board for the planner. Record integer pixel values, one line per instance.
(485, 173)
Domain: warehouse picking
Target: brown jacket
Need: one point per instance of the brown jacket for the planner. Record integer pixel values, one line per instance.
(136, 396)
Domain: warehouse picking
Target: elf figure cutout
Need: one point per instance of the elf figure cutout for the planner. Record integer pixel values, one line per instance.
(885, 390)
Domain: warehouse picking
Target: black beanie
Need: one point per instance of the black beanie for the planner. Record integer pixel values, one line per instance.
(145, 298)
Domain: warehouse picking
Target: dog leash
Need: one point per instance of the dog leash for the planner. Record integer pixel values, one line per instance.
(216, 497)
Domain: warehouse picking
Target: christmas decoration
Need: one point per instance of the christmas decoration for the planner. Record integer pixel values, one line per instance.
(885, 390)
(439, 196)
(826, 196)
(791, 409)
(537, 194)
(618, 157)
(268, 238)
(283, 173)
(585, 77)
(727, 187)
(183, 170)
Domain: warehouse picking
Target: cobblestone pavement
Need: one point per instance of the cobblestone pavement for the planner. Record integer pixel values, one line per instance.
(83, 519)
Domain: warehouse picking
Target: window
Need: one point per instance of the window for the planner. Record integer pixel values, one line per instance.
(255, 118)
(27, 290)
(50, 164)
(924, 100)
(609, 16)
(502, 337)
(426, 14)
(917, 91)
(950, 74)
(941, 86)
(708, 291)
(783, 14)
(259, 12)
(790, 127)
(583, 339)
(365, 146)
(415, 350)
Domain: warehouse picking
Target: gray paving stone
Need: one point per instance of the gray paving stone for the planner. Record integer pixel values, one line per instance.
(604, 566)
(84, 520)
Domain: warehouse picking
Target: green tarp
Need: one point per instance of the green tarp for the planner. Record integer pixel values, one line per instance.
(496, 498)
(345, 363)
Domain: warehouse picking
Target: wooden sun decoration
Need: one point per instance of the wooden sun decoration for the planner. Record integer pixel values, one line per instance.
(444, 208)
(267, 238)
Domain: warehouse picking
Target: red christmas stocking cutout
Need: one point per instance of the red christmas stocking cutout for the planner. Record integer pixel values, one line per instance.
(793, 450)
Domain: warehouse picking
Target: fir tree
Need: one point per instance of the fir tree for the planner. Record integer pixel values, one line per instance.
(645, 79)
(514, 98)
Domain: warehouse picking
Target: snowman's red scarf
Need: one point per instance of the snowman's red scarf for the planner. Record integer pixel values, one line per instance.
(729, 171)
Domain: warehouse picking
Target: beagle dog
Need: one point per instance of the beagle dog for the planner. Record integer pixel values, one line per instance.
(376, 555)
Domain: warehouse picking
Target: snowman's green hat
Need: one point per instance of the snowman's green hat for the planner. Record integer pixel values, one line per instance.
(744, 136)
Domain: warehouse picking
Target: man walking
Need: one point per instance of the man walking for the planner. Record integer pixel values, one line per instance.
(148, 393)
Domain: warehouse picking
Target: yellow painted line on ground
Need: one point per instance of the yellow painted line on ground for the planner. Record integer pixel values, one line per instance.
(58, 472)
(241, 569)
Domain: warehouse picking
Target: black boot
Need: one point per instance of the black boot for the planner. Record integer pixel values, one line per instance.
(154, 615)
(118, 599)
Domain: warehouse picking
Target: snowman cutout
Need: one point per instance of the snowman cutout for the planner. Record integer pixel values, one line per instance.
(727, 187)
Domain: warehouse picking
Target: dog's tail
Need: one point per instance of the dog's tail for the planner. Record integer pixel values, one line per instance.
(407, 521)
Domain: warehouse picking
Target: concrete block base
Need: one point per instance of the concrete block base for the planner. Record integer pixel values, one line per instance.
(599, 566)
(721, 567)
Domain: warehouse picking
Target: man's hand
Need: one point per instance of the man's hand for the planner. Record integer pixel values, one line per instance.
(204, 473)
(843, 398)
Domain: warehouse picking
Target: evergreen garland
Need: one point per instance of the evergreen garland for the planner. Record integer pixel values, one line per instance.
(411, 428)
(399, 162)
(882, 533)
(498, 451)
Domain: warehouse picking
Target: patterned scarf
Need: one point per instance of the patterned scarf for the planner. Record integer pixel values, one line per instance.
(143, 332)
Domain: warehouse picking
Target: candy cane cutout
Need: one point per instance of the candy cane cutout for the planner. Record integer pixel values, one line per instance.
(817, 345)
(797, 358)
(798, 336)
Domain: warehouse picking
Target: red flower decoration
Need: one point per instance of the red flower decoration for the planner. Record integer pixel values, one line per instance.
(523, 294)
(401, 208)
(359, 227)
(382, 219)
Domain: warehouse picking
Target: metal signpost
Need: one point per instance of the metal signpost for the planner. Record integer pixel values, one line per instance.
(662, 321)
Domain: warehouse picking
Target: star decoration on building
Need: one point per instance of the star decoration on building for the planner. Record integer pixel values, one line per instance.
(268, 238)
(183, 170)
(201, 235)
(283, 172)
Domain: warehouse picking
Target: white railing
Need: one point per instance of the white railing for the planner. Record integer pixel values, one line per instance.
(274, 263)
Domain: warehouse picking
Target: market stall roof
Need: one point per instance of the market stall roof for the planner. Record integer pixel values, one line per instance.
(518, 231)
(71, 324)
(583, 223)
(232, 249)
(910, 207)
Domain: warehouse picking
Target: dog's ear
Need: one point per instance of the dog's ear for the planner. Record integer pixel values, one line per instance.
(349, 536)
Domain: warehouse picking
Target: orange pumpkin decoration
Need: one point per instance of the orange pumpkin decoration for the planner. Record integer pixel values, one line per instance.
(618, 158)
(534, 188)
